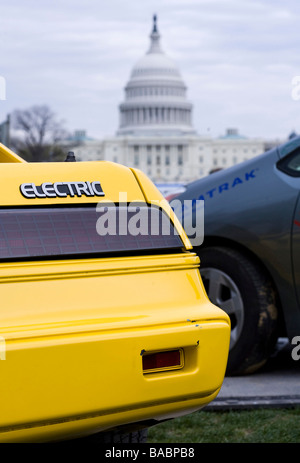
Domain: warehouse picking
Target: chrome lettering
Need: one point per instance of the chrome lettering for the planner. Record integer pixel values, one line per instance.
(61, 189)
(24, 190)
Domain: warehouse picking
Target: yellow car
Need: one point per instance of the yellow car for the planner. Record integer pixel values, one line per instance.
(106, 328)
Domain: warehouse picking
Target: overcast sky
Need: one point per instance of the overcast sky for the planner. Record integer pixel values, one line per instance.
(237, 58)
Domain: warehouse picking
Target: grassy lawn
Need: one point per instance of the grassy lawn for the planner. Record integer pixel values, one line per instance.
(240, 426)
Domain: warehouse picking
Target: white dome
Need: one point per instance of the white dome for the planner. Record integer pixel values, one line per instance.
(155, 96)
(155, 65)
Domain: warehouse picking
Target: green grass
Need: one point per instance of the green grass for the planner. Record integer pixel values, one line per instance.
(240, 426)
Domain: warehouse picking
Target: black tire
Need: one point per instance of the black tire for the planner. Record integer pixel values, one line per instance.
(242, 289)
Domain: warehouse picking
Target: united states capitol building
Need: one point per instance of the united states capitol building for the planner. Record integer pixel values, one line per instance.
(156, 132)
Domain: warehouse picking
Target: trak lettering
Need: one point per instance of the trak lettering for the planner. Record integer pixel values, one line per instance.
(229, 185)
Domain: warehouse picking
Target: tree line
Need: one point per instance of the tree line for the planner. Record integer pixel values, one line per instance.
(37, 135)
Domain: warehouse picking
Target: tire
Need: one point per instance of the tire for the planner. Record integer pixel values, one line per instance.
(242, 288)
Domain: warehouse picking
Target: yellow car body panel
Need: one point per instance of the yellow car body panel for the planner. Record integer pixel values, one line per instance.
(75, 329)
(112, 175)
(7, 155)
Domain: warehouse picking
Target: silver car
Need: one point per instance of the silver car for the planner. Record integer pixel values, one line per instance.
(250, 256)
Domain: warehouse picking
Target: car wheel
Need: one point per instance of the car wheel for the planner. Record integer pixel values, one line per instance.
(242, 289)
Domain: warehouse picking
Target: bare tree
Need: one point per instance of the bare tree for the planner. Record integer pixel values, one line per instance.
(38, 134)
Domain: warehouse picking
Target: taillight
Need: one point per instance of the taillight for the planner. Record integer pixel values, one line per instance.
(79, 231)
(162, 361)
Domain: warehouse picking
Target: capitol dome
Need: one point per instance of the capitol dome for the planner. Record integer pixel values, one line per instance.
(155, 96)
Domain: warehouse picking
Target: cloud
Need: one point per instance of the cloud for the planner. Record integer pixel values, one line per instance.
(236, 57)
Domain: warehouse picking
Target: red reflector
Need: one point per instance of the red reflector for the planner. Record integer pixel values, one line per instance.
(162, 360)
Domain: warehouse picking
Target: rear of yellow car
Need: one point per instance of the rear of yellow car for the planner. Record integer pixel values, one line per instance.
(103, 325)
